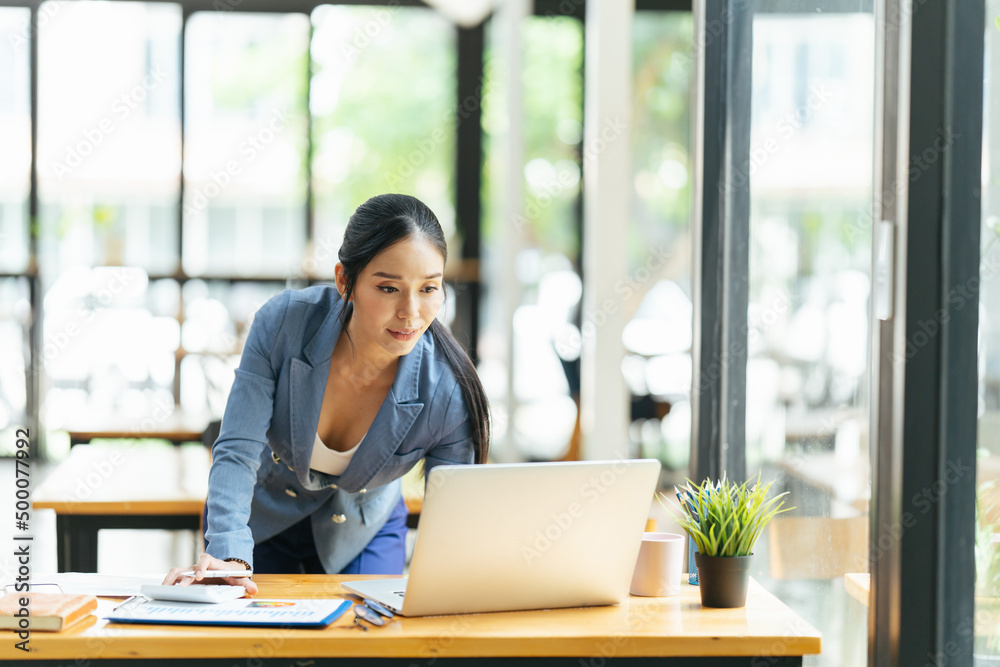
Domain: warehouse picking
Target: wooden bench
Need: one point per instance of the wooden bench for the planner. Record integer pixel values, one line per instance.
(108, 486)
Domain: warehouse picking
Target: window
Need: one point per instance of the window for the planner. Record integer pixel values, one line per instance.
(808, 373)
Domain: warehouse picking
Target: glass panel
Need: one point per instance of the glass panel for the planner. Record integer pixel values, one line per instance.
(811, 179)
(658, 334)
(110, 339)
(384, 112)
(108, 135)
(108, 167)
(545, 325)
(217, 317)
(15, 138)
(547, 320)
(245, 144)
(15, 318)
(987, 648)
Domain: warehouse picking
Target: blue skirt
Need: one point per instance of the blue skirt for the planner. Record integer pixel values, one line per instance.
(294, 550)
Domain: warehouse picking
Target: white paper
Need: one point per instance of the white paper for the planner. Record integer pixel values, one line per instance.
(245, 611)
(89, 583)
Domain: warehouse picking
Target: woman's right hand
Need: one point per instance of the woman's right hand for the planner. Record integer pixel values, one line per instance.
(203, 574)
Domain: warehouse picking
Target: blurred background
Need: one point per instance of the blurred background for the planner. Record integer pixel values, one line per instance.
(191, 164)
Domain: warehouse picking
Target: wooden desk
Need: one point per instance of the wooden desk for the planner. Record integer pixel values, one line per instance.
(122, 486)
(178, 427)
(642, 631)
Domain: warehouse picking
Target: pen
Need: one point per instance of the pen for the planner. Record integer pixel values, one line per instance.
(219, 573)
(134, 598)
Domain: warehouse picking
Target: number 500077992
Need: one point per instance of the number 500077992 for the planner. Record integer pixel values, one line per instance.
(22, 481)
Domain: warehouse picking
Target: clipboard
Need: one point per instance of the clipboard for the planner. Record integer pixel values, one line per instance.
(243, 611)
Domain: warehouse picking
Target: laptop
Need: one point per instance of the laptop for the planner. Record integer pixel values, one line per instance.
(504, 537)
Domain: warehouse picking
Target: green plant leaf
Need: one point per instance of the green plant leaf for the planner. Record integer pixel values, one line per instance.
(724, 518)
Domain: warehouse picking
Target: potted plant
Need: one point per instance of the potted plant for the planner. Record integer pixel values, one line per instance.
(725, 519)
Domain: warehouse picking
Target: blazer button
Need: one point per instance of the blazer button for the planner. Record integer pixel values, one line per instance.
(333, 486)
(292, 493)
(339, 518)
(275, 457)
(363, 491)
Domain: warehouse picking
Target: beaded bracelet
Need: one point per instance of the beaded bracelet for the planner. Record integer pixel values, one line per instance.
(240, 561)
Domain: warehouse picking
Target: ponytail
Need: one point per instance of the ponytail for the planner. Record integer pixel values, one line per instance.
(472, 389)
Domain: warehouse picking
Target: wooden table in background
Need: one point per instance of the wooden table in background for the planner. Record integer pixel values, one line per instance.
(843, 484)
(122, 486)
(178, 427)
(858, 585)
(142, 486)
(661, 631)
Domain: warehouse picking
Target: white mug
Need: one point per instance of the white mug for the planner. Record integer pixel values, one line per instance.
(658, 568)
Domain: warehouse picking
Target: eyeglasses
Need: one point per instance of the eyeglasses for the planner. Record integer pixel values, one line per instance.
(372, 612)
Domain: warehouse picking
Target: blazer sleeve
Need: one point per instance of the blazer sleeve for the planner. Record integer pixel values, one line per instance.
(237, 452)
(454, 445)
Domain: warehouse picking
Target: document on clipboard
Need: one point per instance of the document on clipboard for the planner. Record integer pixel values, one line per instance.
(243, 611)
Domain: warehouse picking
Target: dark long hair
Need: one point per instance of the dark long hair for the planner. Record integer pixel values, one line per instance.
(381, 222)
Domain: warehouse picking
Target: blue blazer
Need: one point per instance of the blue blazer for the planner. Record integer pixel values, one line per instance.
(260, 482)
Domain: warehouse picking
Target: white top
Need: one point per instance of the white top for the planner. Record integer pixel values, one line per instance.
(330, 461)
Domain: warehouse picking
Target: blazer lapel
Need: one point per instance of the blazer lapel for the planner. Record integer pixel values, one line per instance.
(308, 384)
(392, 422)
(395, 417)
(306, 390)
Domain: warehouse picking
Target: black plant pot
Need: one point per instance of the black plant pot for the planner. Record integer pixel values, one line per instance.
(723, 580)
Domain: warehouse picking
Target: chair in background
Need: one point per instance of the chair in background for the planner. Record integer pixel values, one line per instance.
(816, 547)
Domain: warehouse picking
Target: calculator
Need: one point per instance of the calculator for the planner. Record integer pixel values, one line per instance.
(193, 593)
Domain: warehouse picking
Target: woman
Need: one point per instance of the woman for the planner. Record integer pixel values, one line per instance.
(338, 394)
